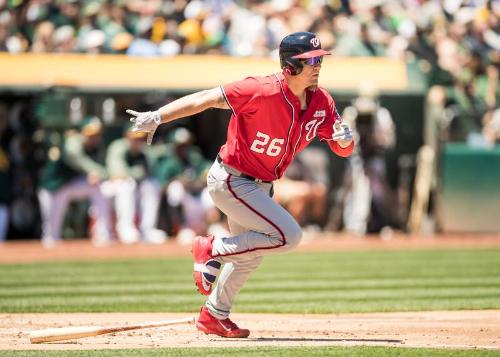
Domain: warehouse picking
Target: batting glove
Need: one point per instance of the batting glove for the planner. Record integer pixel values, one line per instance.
(146, 122)
(342, 133)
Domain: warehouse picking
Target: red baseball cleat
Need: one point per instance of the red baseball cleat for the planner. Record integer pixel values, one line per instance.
(224, 328)
(206, 268)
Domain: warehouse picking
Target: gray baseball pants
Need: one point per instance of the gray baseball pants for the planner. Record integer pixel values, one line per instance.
(260, 226)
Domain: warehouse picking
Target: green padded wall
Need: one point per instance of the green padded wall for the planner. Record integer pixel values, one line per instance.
(470, 189)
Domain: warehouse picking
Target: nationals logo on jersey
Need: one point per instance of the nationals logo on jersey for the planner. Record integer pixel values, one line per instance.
(312, 125)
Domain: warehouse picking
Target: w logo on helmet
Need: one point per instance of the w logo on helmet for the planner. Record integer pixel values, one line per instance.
(315, 42)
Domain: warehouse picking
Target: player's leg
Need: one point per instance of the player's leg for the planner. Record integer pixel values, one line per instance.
(99, 207)
(233, 276)
(231, 280)
(125, 192)
(78, 189)
(259, 226)
(193, 212)
(270, 228)
(46, 200)
(358, 198)
(149, 198)
(53, 206)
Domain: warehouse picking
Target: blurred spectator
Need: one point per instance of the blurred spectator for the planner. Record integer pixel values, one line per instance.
(43, 39)
(369, 200)
(121, 42)
(425, 32)
(491, 118)
(130, 184)
(183, 172)
(65, 13)
(357, 40)
(303, 188)
(19, 144)
(247, 30)
(5, 184)
(74, 171)
(64, 39)
(472, 101)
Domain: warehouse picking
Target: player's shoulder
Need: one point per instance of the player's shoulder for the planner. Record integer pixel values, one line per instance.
(250, 84)
(272, 84)
(268, 81)
(324, 95)
(264, 85)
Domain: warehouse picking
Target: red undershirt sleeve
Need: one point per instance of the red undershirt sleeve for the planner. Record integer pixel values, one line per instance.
(325, 130)
(344, 152)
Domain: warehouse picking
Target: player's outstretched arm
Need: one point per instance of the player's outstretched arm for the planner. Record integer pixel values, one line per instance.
(193, 104)
(185, 106)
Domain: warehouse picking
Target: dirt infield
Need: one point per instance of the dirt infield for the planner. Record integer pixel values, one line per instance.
(449, 329)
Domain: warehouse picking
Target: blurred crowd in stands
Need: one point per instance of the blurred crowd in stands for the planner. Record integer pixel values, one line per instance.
(431, 30)
(455, 43)
(439, 32)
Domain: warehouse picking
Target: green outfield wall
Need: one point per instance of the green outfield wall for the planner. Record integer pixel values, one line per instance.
(469, 199)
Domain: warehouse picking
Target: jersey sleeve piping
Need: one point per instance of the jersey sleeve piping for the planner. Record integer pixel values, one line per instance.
(227, 100)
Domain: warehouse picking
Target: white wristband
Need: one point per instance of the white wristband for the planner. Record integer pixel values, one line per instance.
(157, 117)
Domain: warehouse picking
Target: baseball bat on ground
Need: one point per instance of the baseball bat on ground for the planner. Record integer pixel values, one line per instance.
(74, 332)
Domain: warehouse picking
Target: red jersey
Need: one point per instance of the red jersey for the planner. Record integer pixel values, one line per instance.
(267, 128)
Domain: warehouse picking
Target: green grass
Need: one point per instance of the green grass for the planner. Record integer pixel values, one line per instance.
(292, 283)
(295, 283)
(263, 351)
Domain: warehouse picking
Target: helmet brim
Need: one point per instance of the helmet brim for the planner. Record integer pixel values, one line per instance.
(310, 54)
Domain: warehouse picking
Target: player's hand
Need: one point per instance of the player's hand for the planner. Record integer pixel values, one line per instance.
(342, 134)
(146, 122)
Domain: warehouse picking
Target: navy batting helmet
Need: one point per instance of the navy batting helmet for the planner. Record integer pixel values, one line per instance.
(297, 46)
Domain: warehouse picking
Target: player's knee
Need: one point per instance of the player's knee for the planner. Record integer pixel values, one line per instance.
(293, 236)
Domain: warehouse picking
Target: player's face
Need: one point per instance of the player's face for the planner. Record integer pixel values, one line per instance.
(93, 140)
(310, 71)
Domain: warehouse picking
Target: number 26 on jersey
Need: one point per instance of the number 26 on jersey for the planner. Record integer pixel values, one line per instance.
(263, 143)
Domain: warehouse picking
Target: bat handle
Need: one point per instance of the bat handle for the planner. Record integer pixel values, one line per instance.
(185, 320)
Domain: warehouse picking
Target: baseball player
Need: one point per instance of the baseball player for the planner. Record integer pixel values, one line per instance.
(273, 118)
(131, 185)
(72, 172)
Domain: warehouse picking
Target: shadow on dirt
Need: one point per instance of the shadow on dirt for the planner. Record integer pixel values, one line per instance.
(302, 339)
